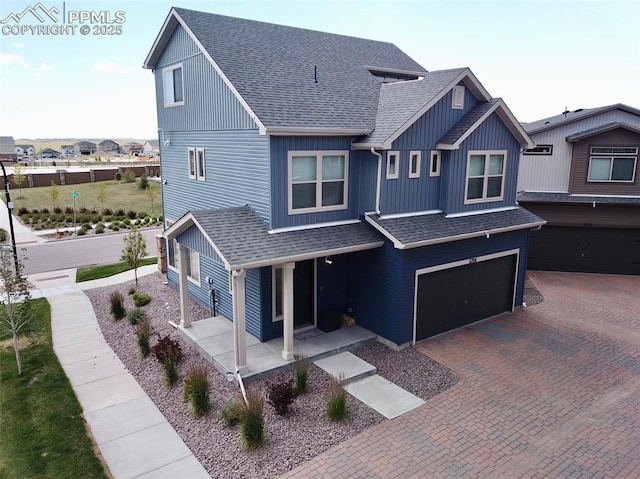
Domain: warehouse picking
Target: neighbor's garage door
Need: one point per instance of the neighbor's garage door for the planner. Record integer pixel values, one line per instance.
(454, 297)
(586, 250)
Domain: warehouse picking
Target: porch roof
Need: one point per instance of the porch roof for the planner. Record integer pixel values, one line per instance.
(242, 239)
(427, 229)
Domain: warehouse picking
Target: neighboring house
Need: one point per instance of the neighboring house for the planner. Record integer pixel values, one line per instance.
(84, 148)
(307, 172)
(133, 148)
(151, 148)
(25, 150)
(8, 148)
(582, 177)
(109, 147)
(50, 153)
(67, 150)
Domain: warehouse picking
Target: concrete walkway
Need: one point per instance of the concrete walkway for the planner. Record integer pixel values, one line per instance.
(134, 438)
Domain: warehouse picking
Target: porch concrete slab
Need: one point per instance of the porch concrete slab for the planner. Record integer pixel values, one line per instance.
(186, 467)
(91, 370)
(208, 327)
(122, 419)
(345, 366)
(383, 396)
(260, 357)
(82, 351)
(81, 334)
(323, 344)
(144, 451)
(108, 392)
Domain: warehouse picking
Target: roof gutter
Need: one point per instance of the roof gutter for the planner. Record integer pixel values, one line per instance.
(379, 179)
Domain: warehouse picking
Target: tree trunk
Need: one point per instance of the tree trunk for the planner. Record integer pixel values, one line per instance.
(17, 350)
(135, 273)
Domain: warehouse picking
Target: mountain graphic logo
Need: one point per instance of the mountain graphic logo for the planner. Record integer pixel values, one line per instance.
(38, 7)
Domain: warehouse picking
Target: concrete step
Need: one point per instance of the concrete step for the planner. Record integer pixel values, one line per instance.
(346, 366)
(383, 396)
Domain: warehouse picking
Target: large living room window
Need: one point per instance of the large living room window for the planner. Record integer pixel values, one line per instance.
(485, 176)
(317, 181)
(612, 164)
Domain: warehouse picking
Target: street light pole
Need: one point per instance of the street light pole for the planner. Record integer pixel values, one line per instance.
(9, 210)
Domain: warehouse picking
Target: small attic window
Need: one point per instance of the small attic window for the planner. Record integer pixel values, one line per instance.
(457, 102)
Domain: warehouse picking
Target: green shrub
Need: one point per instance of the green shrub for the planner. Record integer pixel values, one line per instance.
(142, 214)
(100, 229)
(337, 405)
(167, 351)
(143, 184)
(117, 309)
(252, 420)
(301, 368)
(196, 390)
(22, 211)
(129, 176)
(230, 413)
(135, 315)
(115, 228)
(143, 333)
(131, 291)
(281, 396)
(141, 299)
(3, 235)
(81, 231)
(118, 176)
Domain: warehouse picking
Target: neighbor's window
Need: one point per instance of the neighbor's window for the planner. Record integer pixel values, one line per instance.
(193, 260)
(539, 150)
(434, 167)
(485, 176)
(414, 164)
(613, 164)
(197, 164)
(457, 101)
(192, 163)
(392, 165)
(172, 86)
(317, 181)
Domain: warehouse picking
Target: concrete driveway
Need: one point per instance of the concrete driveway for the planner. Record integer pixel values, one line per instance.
(551, 391)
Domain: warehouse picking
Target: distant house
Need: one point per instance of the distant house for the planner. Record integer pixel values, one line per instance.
(582, 177)
(84, 148)
(309, 173)
(133, 148)
(109, 147)
(50, 153)
(25, 150)
(67, 150)
(8, 148)
(151, 148)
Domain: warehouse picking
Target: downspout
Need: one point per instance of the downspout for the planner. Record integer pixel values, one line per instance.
(379, 180)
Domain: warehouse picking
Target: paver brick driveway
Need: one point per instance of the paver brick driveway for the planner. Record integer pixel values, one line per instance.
(550, 391)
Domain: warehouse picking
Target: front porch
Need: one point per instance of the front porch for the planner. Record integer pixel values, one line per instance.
(213, 339)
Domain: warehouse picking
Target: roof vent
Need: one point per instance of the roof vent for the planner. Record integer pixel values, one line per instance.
(578, 110)
(315, 74)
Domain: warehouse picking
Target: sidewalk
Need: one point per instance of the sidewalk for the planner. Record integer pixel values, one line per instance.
(134, 438)
(23, 234)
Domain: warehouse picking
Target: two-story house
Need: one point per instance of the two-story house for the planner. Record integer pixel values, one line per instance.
(582, 177)
(307, 172)
(109, 147)
(84, 147)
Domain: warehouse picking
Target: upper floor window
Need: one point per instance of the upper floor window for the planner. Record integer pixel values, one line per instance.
(415, 158)
(434, 167)
(392, 165)
(539, 150)
(172, 85)
(612, 164)
(457, 101)
(485, 176)
(317, 181)
(197, 164)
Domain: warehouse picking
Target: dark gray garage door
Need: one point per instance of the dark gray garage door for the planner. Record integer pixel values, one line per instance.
(586, 250)
(454, 297)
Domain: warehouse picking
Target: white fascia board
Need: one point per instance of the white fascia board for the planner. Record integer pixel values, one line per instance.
(396, 243)
(396, 70)
(367, 146)
(313, 226)
(161, 40)
(409, 215)
(481, 212)
(310, 131)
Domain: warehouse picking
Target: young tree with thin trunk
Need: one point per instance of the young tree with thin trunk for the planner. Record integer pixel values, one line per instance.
(102, 194)
(135, 249)
(15, 312)
(54, 193)
(151, 193)
(18, 178)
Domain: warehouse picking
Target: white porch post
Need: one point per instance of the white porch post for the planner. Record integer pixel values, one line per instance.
(239, 331)
(185, 321)
(287, 310)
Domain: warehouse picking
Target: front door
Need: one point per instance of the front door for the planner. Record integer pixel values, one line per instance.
(303, 293)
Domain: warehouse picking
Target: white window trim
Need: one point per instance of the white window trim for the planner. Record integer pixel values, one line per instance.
(164, 86)
(275, 318)
(458, 94)
(484, 198)
(435, 156)
(318, 181)
(175, 255)
(203, 176)
(192, 163)
(418, 154)
(393, 176)
(627, 157)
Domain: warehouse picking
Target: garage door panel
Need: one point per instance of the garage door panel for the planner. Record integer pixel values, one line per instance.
(454, 297)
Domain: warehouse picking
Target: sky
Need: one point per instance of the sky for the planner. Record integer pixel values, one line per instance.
(539, 56)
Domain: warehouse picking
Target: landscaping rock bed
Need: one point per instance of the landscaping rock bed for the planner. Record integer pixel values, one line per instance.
(298, 436)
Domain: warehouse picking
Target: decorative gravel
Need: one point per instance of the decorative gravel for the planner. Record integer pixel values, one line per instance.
(292, 439)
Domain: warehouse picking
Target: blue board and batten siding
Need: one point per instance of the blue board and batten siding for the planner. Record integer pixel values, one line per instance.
(381, 282)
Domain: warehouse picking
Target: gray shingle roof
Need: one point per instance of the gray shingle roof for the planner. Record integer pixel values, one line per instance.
(243, 238)
(272, 67)
(601, 129)
(400, 101)
(413, 231)
(466, 122)
(543, 197)
(571, 116)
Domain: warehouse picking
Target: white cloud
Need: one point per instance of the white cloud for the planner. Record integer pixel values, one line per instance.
(17, 45)
(110, 67)
(12, 59)
(45, 67)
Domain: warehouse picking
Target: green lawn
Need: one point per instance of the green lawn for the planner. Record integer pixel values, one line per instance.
(120, 195)
(106, 270)
(43, 432)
